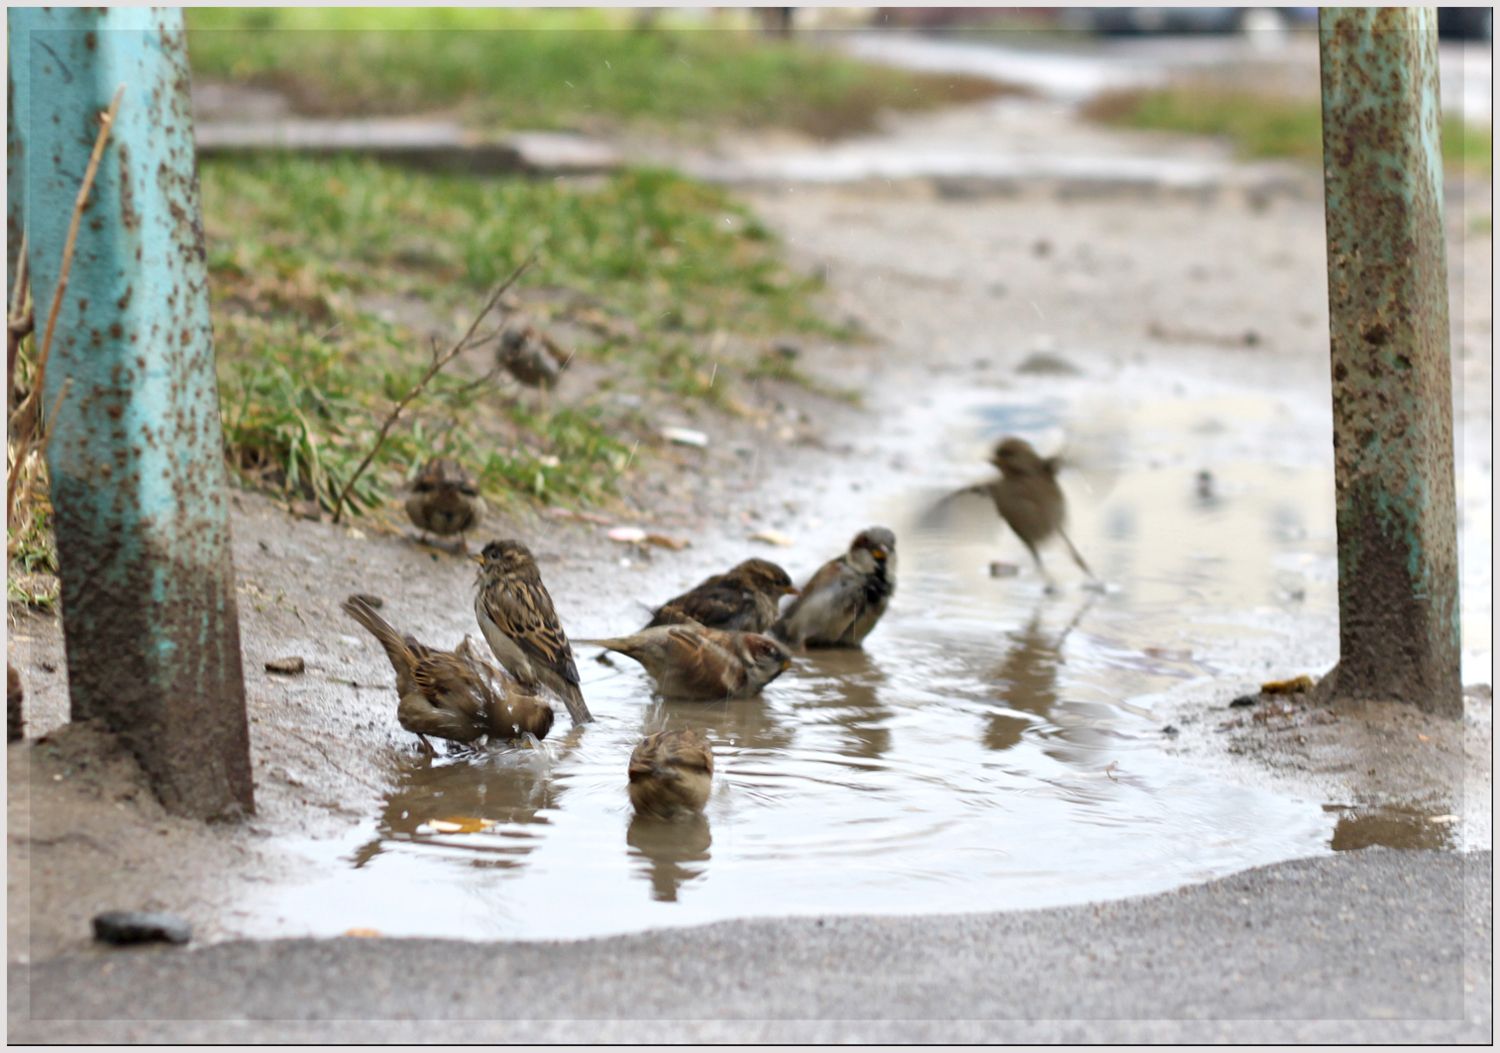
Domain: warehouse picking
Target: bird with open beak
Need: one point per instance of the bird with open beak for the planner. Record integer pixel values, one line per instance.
(841, 603)
(518, 621)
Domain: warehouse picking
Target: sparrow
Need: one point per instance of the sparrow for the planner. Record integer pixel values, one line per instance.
(450, 694)
(15, 724)
(531, 356)
(841, 603)
(671, 774)
(517, 619)
(744, 599)
(1028, 498)
(693, 663)
(445, 499)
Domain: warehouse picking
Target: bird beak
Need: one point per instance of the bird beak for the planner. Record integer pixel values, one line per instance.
(878, 553)
(791, 590)
(477, 557)
(786, 663)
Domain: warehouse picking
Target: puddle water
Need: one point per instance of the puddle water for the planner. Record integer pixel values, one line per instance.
(993, 747)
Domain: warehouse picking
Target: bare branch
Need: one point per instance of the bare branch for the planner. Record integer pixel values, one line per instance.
(462, 344)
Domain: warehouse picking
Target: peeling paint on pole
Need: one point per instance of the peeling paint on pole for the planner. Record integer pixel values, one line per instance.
(1392, 380)
(136, 453)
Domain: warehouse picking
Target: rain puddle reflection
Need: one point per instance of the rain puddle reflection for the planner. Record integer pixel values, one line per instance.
(992, 748)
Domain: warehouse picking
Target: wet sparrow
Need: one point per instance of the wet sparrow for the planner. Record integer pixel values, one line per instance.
(744, 599)
(841, 603)
(1028, 498)
(516, 616)
(531, 356)
(445, 499)
(695, 664)
(450, 694)
(671, 774)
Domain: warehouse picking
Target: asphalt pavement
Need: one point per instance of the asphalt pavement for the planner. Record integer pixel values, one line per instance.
(1373, 946)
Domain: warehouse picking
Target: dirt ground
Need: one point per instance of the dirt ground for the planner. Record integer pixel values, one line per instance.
(933, 272)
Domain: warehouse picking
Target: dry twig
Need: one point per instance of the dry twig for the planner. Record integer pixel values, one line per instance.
(438, 362)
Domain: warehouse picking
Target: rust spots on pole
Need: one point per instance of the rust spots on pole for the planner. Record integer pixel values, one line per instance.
(136, 454)
(1392, 387)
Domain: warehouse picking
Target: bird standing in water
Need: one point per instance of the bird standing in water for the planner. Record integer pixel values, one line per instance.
(450, 694)
(518, 621)
(671, 774)
(841, 603)
(696, 664)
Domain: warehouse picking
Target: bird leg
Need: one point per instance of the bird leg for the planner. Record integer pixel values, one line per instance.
(1076, 557)
(1036, 557)
(430, 751)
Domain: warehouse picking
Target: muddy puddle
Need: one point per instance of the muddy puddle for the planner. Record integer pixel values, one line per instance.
(994, 747)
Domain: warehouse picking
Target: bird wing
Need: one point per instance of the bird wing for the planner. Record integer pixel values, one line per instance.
(529, 620)
(957, 509)
(686, 748)
(697, 667)
(718, 605)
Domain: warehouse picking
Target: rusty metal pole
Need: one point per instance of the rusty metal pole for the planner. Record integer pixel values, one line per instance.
(1392, 382)
(136, 455)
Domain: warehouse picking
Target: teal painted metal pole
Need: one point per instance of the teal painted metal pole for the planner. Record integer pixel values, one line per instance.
(136, 454)
(1392, 379)
(18, 101)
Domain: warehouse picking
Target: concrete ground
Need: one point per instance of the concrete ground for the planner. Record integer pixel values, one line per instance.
(1378, 946)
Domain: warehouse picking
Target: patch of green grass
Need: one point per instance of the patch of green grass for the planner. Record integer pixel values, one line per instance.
(1260, 125)
(307, 374)
(551, 68)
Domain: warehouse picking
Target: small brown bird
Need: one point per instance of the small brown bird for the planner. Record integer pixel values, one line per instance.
(1028, 498)
(531, 356)
(15, 724)
(516, 616)
(745, 599)
(671, 774)
(450, 694)
(692, 663)
(841, 603)
(445, 499)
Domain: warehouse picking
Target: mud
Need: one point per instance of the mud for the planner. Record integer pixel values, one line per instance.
(961, 291)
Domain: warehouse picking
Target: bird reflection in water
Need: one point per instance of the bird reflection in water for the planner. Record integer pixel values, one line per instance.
(847, 687)
(671, 852)
(511, 788)
(1027, 680)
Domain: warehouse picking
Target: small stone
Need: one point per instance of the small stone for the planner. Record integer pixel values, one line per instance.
(1003, 570)
(1045, 363)
(1244, 700)
(134, 926)
(1169, 730)
(290, 666)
